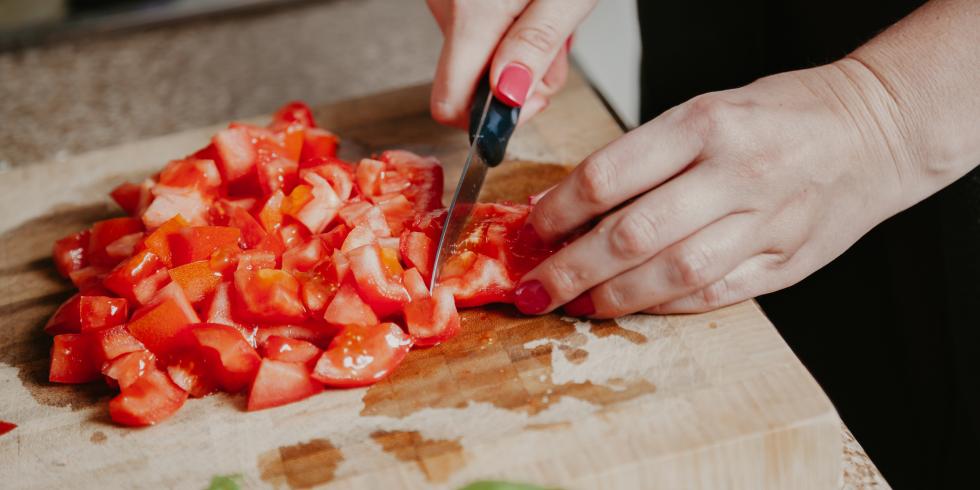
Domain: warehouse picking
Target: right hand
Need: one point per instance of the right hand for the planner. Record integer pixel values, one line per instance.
(525, 42)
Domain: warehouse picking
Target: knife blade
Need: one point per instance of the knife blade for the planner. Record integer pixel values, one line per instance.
(491, 124)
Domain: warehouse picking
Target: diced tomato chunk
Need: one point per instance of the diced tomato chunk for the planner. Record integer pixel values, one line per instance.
(197, 279)
(271, 215)
(317, 333)
(293, 112)
(339, 174)
(303, 257)
(158, 241)
(237, 216)
(152, 398)
(191, 173)
(423, 173)
(232, 357)
(378, 282)
(113, 342)
(278, 383)
(362, 354)
(364, 214)
(105, 232)
(334, 238)
(268, 295)
(98, 312)
(430, 319)
(199, 242)
(289, 350)
(169, 202)
(276, 171)
(67, 318)
(137, 278)
(70, 252)
(6, 427)
(74, 359)
(419, 251)
(318, 143)
(236, 153)
(347, 308)
(133, 198)
(192, 374)
(476, 279)
(127, 368)
(398, 211)
(160, 325)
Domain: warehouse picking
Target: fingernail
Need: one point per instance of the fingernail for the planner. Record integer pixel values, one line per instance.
(513, 85)
(580, 306)
(531, 297)
(568, 42)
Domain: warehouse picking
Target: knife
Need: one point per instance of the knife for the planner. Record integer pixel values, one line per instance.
(491, 124)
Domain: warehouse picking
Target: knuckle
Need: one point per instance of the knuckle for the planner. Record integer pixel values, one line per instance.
(609, 301)
(634, 235)
(689, 268)
(710, 114)
(542, 38)
(715, 294)
(595, 182)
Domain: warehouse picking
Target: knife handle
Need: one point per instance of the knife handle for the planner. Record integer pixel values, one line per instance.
(500, 124)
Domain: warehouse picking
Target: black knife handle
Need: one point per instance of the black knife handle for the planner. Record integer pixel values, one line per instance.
(500, 124)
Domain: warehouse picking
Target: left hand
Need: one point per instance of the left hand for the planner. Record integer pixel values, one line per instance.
(738, 193)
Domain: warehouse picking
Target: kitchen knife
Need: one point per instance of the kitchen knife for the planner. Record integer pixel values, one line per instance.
(491, 124)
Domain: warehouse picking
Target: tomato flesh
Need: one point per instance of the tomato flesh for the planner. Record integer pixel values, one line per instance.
(362, 355)
(279, 382)
(151, 399)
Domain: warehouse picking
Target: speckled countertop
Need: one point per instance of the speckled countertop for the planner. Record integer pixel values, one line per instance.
(72, 97)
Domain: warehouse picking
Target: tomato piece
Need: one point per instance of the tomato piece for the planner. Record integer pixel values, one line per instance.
(133, 198)
(280, 383)
(378, 281)
(430, 319)
(339, 174)
(304, 257)
(152, 398)
(268, 295)
(252, 232)
(364, 214)
(191, 173)
(74, 359)
(127, 368)
(236, 152)
(358, 237)
(137, 278)
(191, 373)
(6, 427)
(158, 241)
(197, 279)
(67, 318)
(293, 112)
(275, 170)
(318, 143)
(98, 312)
(168, 202)
(88, 277)
(320, 208)
(361, 355)
(160, 324)
(289, 350)
(369, 173)
(419, 251)
(334, 238)
(319, 334)
(397, 211)
(123, 247)
(70, 252)
(476, 279)
(105, 232)
(347, 308)
(199, 242)
(232, 358)
(423, 173)
(271, 215)
(113, 342)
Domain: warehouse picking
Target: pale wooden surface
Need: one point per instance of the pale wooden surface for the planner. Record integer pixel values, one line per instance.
(700, 401)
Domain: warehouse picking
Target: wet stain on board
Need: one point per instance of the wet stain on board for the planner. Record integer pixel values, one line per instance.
(98, 437)
(438, 459)
(488, 362)
(609, 328)
(302, 465)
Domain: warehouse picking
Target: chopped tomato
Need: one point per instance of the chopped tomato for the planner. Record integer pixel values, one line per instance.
(271, 215)
(268, 295)
(293, 112)
(199, 242)
(236, 153)
(191, 173)
(347, 308)
(169, 202)
(67, 318)
(74, 359)
(429, 319)
(419, 251)
(369, 174)
(105, 232)
(160, 324)
(423, 173)
(6, 427)
(289, 350)
(138, 278)
(318, 334)
(133, 198)
(98, 312)
(192, 374)
(302, 258)
(127, 368)
(70, 252)
(334, 238)
(276, 171)
(364, 214)
(113, 342)
(124, 246)
(236, 215)
(88, 277)
(318, 143)
(152, 398)
(158, 242)
(358, 237)
(232, 357)
(378, 278)
(362, 354)
(278, 383)
(320, 208)
(397, 211)
(337, 172)
(476, 279)
(197, 279)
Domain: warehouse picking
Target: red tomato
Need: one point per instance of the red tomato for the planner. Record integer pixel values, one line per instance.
(337, 172)
(237, 216)
(303, 257)
(105, 232)
(67, 318)
(74, 359)
(197, 174)
(124, 246)
(369, 173)
(364, 214)
(334, 238)
(152, 398)
(137, 278)
(271, 215)
(169, 202)
(197, 279)
(318, 143)
(358, 237)
(113, 342)
(362, 354)
(397, 210)
(321, 208)
(98, 312)
(476, 279)
(160, 324)
(424, 175)
(232, 358)
(318, 334)
(69, 252)
(278, 383)
(276, 171)
(192, 374)
(199, 242)
(419, 251)
(158, 242)
(88, 277)
(430, 319)
(6, 427)
(289, 350)
(127, 368)
(133, 198)
(236, 152)
(268, 295)
(347, 308)
(378, 277)
(294, 112)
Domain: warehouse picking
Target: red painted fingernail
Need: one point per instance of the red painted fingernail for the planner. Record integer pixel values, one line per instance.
(531, 297)
(568, 42)
(513, 85)
(580, 306)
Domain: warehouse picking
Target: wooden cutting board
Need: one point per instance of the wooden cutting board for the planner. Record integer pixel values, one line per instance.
(700, 401)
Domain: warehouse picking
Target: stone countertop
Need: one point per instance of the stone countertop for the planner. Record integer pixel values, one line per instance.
(76, 96)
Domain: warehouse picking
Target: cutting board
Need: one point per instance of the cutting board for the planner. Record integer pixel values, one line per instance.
(699, 401)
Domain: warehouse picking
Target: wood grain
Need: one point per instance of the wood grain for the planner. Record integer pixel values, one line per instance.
(698, 401)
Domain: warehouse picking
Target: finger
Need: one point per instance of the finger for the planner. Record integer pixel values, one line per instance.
(759, 275)
(626, 239)
(638, 161)
(554, 78)
(440, 12)
(534, 105)
(474, 30)
(530, 46)
(679, 270)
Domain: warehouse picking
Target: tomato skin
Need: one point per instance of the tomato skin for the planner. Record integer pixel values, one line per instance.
(113, 342)
(70, 252)
(318, 143)
(190, 173)
(361, 355)
(105, 232)
(237, 216)
(137, 278)
(419, 251)
(199, 242)
(268, 295)
(74, 359)
(6, 427)
(233, 360)
(285, 349)
(127, 368)
(481, 280)
(133, 198)
(279, 383)
(158, 241)
(197, 279)
(160, 325)
(98, 312)
(293, 112)
(67, 318)
(152, 398)
(380, 287)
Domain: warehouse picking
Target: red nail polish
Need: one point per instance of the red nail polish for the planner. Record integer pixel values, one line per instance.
(531, 297)
(580, 306)
(513, 85)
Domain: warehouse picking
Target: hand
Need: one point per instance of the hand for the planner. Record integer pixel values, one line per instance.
(525, 42)
(738, 193)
